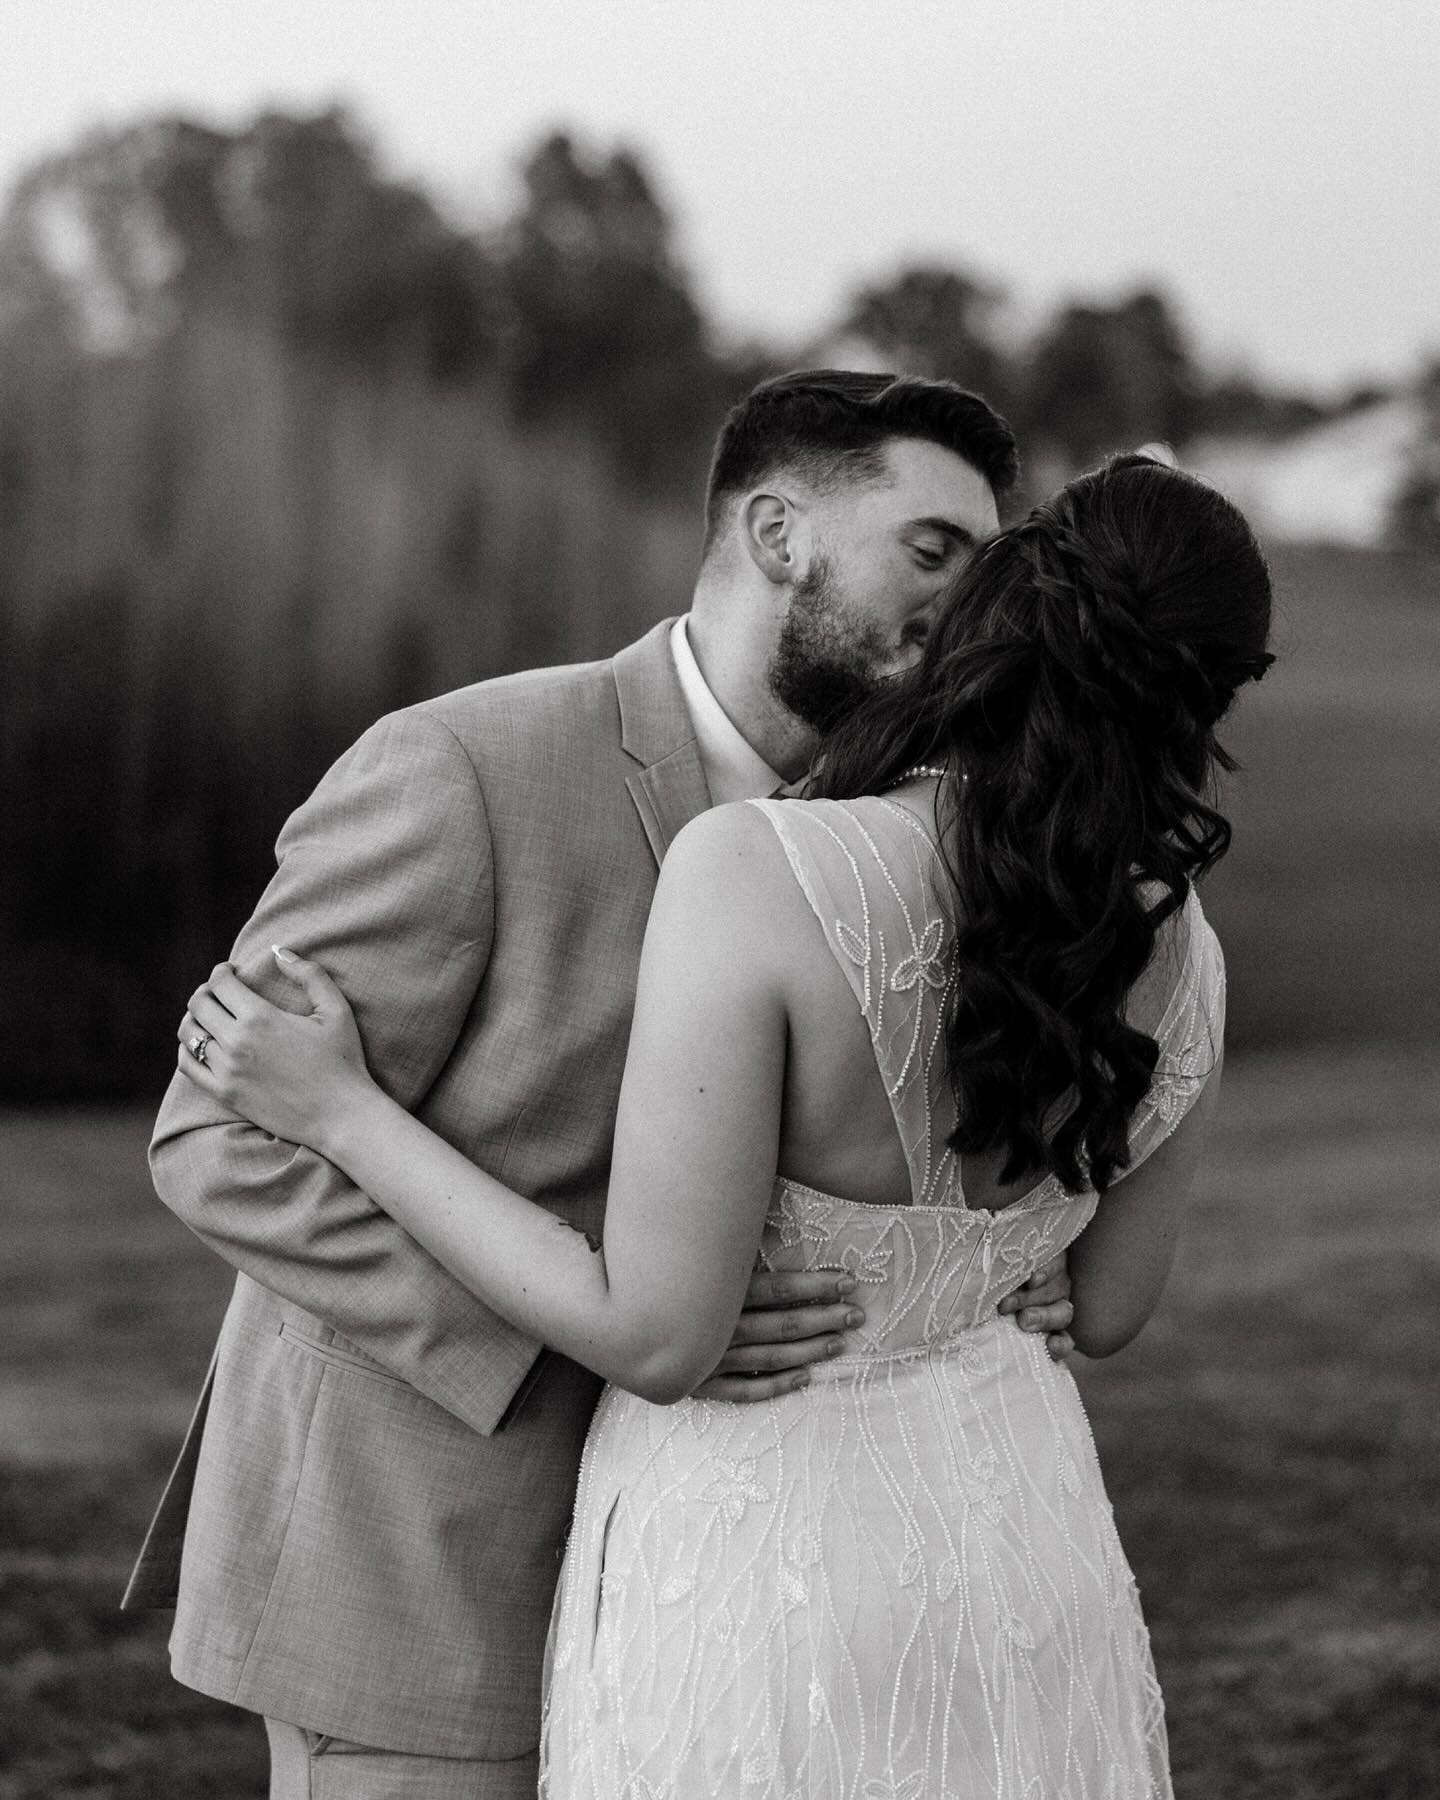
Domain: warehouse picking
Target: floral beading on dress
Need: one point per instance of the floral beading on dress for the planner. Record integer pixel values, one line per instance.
(903, 1582)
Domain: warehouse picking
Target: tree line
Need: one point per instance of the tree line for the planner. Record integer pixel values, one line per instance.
(283, 446)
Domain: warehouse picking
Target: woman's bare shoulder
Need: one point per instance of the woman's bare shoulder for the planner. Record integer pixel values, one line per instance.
(727, 871)
(735, 840)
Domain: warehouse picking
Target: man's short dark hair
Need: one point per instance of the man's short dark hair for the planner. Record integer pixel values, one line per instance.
(832, 425)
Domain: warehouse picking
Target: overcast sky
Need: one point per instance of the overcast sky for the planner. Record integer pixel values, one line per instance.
(1274, 163)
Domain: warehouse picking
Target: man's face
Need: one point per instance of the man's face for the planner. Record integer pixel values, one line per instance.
(881, 554)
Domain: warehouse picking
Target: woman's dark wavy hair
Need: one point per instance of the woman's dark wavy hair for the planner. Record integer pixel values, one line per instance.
(1074, 680)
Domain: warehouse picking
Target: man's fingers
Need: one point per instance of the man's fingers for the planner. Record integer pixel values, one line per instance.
(1036, 1292)
(1046, 1294)
(1047, 1318)
(793, 1323)
(769, 1359)
(798, 1287)
(744, 1389)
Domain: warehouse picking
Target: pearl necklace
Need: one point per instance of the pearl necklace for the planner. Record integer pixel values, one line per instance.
(923, 772)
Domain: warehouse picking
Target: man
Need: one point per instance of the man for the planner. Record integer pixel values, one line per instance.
(374, 1494)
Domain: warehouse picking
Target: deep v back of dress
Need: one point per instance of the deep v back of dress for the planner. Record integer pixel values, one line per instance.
(904, 1580)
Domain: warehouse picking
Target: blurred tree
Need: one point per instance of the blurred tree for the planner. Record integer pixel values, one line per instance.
(259, 481)
(281, 448)
(1240, 406)
(1415, 512)
(288, 224)
(608, 336)
(935, 321)
(1105, 378)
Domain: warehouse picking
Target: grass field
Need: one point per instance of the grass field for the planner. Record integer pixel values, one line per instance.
(1327, 903)
(1272, 1442)
(1272, 1445)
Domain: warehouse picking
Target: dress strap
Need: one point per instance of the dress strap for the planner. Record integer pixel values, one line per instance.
(869, 870)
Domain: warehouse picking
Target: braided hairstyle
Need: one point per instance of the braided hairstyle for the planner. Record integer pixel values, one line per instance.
(1071, 686)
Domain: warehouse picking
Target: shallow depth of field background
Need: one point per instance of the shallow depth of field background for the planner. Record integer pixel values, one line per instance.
(282, 447)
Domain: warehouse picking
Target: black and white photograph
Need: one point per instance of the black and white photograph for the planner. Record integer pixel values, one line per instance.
(719, 873)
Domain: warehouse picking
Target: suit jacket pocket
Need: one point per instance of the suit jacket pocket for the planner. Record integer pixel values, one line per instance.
(338, 1356)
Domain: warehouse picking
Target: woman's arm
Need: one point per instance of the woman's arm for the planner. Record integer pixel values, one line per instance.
(1121, 1261)
(651, 1307)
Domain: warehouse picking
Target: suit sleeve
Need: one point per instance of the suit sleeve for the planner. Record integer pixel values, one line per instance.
(385, 877)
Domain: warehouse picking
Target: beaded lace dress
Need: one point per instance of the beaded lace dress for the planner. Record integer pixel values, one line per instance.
(902, 1582)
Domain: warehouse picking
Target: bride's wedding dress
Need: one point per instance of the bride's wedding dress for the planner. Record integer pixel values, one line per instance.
(903, 1582)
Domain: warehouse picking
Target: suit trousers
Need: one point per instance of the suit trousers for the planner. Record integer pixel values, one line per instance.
(307, 1765)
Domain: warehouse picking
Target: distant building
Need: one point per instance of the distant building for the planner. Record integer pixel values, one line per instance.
(1333, 483)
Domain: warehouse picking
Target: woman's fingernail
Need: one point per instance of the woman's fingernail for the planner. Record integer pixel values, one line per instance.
(800, 1381)
(845, 1285)
(854, 1316)
(283, 956)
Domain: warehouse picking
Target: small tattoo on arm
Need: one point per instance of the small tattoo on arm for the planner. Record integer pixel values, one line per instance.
(594, 1244)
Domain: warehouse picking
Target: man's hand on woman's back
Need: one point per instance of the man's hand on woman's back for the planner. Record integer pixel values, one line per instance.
(791, 1320)
(1043, 1304)
(796, 1318)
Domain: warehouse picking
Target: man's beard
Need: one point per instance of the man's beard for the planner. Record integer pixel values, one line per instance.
(828, 660)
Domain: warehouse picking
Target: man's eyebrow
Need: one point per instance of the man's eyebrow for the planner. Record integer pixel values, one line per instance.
(950, 528)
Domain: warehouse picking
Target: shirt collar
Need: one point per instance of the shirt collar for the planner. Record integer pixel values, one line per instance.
(734, 769)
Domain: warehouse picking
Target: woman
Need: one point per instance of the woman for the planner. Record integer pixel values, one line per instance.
(904, 1581)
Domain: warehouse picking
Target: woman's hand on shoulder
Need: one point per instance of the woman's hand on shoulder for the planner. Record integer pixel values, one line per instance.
(293, 1074)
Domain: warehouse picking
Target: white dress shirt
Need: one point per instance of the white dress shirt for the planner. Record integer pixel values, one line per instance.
(734, 770)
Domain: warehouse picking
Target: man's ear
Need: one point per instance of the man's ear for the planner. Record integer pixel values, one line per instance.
(767, 530)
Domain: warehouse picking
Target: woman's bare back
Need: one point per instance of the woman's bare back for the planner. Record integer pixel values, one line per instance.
(838, 1131)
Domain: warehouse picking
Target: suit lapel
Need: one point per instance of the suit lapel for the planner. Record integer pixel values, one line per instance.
(668, 795)
(668, 785)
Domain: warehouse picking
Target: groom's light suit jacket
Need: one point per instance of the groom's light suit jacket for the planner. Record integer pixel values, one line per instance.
(364, 1527)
